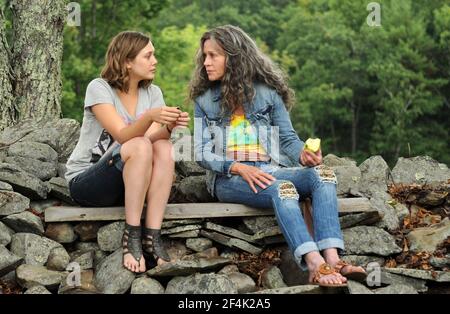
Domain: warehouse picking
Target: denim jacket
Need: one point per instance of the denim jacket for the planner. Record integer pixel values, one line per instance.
(267, 115)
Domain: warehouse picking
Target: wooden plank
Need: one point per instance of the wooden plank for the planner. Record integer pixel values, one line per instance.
(185, 211)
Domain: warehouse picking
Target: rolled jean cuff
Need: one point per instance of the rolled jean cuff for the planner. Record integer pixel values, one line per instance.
(303, 249)
(330, 243)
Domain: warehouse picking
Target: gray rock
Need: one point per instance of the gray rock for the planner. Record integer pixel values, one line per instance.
(199, 244)
(206, 254)
(396, 289)
(201, 284)
(38, 289)
(41, 206)
(85, 285)
(109, 237)
(34, 150)
(87, 230)
(357, 288)
(229, 231)
(180, 222)
(185, 234)
(25, 222)
(8, 261)
(33, 248)
(61, 134)
(61, 169)
(302, 289)
(87, 246)
(331, 160)
(23, 182)
(348, 179)
(229, 269)
(440, 262)
(231, 242)
(5, 234)
(292, 274)
(31, 275)
(189, 168)
(420, 169)
(439, 276)
(374, 176)
(244, 283)
(179, 229)
(272, 278)
(176, 249)
(353, 220)
(69, 132)
(61, 232)
(361, 260)
(145, 285)
(84, 259)
(59, 188)
(366, 240)
(187, 267)
(259, 223)
(383, 203)
(40, 169)
(428, 238)
(58, 259)
(5, 186)
(12, 203)
(193, 189)
(111, 277)
(388, 278)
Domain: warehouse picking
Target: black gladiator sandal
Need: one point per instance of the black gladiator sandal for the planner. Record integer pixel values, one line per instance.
(131, 242)
(153, 247)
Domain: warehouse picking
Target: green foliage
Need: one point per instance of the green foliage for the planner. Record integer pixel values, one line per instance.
(364, 90)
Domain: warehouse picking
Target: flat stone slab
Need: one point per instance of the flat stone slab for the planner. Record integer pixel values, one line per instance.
(301, 289)
(188, 267)
(8, 261)
(30, 275)
(229, 231)
(180, 229)
(231, 242)
(12, 203)
(439, 276)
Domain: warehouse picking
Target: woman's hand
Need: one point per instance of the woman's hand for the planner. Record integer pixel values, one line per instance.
(164, 115)
(182, 121)
(310, 159)
(253, 175)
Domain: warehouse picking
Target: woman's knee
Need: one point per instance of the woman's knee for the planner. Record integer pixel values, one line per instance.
(163, 149)
(324, 174)
(137, 147)
(285, 189)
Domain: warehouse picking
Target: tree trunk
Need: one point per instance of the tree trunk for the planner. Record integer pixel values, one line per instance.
(37, 56)
(7, 108)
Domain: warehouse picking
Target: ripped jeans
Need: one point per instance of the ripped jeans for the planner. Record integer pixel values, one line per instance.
(291, 186)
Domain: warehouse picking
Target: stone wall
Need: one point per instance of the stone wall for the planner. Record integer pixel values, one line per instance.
(222, 255)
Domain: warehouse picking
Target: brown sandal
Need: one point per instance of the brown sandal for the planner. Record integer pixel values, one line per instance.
(359, 276)
(323, 270)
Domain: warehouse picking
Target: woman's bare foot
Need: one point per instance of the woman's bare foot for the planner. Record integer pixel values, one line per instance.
(130, 263)
(314, 261)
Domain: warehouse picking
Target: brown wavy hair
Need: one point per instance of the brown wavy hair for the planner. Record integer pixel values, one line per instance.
(123, 47)
(244, 63)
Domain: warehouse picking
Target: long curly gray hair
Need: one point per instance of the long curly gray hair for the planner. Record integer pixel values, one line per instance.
(244, 63)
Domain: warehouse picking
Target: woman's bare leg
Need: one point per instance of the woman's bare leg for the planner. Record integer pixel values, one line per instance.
(160, 185)
(137, 154)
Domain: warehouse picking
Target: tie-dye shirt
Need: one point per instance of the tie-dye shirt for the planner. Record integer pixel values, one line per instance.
(242, 141)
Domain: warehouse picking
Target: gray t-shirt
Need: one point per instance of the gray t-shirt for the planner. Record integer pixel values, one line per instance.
(94, 140)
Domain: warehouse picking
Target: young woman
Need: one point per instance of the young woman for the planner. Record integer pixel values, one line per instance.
(244, 137)
(123, 155)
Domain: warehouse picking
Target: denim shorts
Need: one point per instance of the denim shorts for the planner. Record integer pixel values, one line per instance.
(101, 185)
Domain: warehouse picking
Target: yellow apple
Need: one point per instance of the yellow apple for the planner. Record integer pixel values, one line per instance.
(312, 144)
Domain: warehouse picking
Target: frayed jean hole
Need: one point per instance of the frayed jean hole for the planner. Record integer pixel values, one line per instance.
(287, 190)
